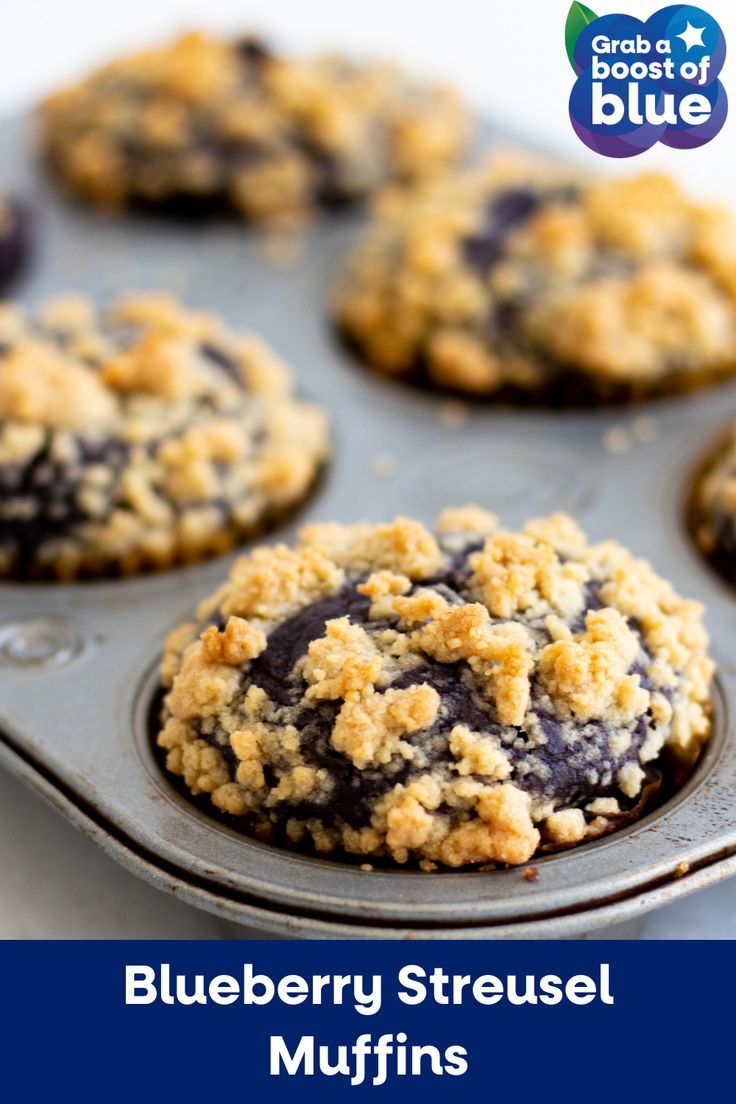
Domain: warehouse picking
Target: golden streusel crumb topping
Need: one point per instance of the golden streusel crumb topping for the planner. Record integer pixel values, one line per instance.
(234, 125)
(457, 697)
(519, 276)
(140, 437)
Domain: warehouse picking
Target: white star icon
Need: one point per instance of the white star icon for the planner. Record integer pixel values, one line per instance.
(692, 36)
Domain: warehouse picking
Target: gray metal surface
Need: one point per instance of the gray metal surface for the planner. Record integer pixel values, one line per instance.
(77, 663)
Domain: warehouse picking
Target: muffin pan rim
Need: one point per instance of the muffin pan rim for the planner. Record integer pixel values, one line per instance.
(401, 884)
(559, 925)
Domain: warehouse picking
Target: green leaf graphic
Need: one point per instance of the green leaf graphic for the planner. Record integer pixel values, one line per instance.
(578, 18)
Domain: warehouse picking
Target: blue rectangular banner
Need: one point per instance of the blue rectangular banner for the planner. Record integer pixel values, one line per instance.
(150, 1020)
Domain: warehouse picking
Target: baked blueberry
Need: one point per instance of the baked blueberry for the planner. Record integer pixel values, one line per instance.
(219, 124)
(141, 438)
(461, 697)
(513, 280)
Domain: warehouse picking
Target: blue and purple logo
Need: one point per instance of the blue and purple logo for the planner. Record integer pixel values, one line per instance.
(643, 82)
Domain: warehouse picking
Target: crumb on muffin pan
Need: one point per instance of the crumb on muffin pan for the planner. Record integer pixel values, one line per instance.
(206, 122)
(468, 696)
(712, 506)
(141, 437)
(518, 279)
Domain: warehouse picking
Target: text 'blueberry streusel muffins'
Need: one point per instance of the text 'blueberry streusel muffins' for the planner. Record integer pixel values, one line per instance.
(464, 697)
(141, 438)
(515, 279)
(712, 507)
(15, 239)
(233, 124)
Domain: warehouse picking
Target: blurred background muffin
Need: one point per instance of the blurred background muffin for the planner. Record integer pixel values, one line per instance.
(712, 507)
(15, 239)
(141, 438)
(519, 279)
(209, 123)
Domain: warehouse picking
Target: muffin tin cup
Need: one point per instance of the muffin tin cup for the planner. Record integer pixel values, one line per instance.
(78, 662)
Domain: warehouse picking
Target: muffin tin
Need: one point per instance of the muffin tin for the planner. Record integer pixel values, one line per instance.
(78, 662)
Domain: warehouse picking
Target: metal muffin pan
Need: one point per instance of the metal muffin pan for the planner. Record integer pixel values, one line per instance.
(78, 663)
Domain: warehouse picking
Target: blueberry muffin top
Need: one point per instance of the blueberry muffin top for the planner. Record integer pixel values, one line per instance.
(515, 277)
(15, 239)
(232, 124)
(713, 506)
(141, 437)
(459, 697)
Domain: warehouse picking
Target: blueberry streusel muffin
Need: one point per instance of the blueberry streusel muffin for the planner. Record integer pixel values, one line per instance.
(712, 507)
(141, 438)
(515, 279)
(15, 239)
(231, 124)
(464, 697)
